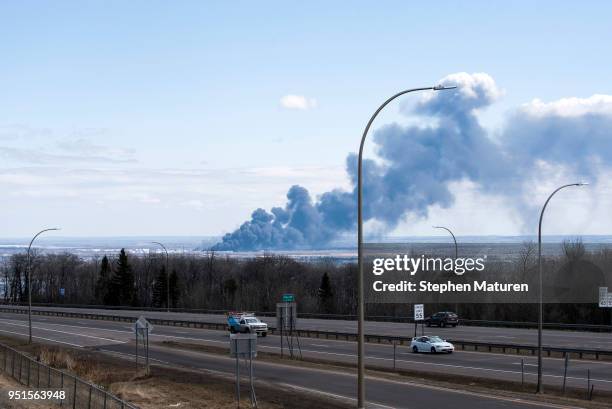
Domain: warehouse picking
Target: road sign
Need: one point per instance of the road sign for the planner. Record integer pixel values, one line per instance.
(243, 345)
(605, 298)
(419, 312)
(288, 298)
(142, 324)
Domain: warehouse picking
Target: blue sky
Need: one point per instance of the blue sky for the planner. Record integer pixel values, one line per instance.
(165, 118)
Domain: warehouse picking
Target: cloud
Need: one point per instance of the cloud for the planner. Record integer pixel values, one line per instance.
(417, 166)
(45, 157)
(570, 107)
(298, 102)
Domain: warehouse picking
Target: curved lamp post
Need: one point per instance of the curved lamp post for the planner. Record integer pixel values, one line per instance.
(456, 254)
(540, 313)
(454, 239)
(167, 277)
(360, 289)
(30, 281)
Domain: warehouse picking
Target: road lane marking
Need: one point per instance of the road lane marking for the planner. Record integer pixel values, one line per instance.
(46, 339)
(334, 395)
(64, 332)
(353, 355)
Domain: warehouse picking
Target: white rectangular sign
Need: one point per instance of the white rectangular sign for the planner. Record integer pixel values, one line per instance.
(605, 298)
(419, 312)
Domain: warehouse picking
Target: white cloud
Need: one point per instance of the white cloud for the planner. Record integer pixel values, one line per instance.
(298, 102)
(570, 107)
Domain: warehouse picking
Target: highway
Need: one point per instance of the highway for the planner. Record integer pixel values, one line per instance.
(556, 338)
(118, 337)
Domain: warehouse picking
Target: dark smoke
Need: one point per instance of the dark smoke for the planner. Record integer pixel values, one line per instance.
(415, 165)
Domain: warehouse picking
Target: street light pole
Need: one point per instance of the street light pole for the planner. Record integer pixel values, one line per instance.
(360, 289)
(541, 306)
(454, 239)
(167, 277)
(456, 255)
(29, 275)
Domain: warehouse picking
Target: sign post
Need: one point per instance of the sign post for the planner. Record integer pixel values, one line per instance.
(143, 328)
(286, 323)
(244, 346)
(419, 315)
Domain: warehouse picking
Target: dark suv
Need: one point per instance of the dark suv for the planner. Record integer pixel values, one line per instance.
(442, 319)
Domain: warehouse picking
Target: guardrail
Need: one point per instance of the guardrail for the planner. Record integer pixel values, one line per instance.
(309, 333)
(54, 385)
(346, 317)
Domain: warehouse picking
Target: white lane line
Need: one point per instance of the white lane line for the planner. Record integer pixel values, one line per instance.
(320, 345)
(46, 339)
(334, 395)
(350, 355)
(444, 365)
(64, 332)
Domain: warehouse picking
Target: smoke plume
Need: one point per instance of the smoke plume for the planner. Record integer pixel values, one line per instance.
(415, 165)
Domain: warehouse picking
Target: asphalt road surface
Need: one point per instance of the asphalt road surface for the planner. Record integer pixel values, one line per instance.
(118, 337)
(556, 338)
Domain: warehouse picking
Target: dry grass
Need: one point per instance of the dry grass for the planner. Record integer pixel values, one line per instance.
(164, 387)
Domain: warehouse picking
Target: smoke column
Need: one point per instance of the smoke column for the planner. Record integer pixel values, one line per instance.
(416, 164)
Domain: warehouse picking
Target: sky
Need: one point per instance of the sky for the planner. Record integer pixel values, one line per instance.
(181, 118)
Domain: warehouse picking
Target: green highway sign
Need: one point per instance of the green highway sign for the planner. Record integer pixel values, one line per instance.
(288, 298)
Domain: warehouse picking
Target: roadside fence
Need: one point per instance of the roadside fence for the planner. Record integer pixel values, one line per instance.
(53, 385)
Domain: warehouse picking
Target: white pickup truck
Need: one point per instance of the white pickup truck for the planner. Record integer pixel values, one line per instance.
(246, 323)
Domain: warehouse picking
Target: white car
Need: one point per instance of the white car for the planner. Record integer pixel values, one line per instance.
(431, 344)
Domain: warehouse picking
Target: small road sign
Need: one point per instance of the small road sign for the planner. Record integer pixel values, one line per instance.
(419, 312)
(142, 324)
(288, 298)
(605, 298)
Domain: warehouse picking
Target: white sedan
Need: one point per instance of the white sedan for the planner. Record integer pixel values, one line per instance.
(431, 344)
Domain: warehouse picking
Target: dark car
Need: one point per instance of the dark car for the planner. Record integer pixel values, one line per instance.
(443, 319)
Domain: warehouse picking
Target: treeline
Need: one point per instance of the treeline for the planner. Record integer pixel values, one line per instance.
(209, 281)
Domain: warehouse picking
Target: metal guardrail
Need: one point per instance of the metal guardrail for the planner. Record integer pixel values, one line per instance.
(66, 390)
(346, 317)
(380, 339)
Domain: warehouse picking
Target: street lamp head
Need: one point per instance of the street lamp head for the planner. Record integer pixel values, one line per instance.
(441, 87)
(582, 184)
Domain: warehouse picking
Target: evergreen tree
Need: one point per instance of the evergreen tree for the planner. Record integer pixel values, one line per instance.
(174, 289)
(160, 289)
(229, 288)
(103, 284)
(325, 294)
(122, 287)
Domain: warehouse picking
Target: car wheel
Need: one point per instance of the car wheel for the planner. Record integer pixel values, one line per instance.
(428, 324)
(415, 349)
(247, 331)
(454, 325)
(433, 350)
(442, 325)
(450, 352)
(263, 334)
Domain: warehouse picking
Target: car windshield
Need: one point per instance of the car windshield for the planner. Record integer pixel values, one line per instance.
(251, 320)
(435, 339)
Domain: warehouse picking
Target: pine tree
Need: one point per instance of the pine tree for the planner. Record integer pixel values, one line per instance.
(325, 294)
(103, 283)
(174, 289)
(160, 289)
(122, 287)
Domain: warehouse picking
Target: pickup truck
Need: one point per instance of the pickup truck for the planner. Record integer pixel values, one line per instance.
(246, 323)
